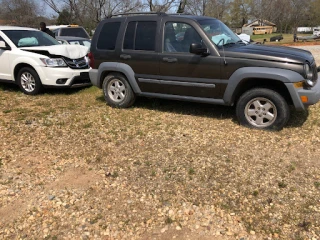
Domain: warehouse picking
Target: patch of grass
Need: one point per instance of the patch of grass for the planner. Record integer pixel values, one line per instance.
(7, 111)
(316, 184)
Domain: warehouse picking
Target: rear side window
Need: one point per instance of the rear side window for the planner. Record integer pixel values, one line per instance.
(140, 36)
(108, 36)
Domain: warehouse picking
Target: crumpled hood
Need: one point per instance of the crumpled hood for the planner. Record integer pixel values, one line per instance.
(69, 51)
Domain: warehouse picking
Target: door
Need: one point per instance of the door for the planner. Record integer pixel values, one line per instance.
(5, 72)
(139, 49)
(182, 72)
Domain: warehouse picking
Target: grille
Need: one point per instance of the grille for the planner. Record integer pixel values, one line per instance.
(315, 71)
(79, 63)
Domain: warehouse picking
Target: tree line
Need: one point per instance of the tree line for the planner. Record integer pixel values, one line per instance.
(286, 14)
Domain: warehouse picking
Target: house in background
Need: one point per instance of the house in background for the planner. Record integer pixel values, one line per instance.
(4, 22)
(259, 27)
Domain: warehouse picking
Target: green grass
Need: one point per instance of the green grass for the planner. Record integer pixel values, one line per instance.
(287, 38)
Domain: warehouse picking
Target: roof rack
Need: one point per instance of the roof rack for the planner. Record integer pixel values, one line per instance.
(136, 13)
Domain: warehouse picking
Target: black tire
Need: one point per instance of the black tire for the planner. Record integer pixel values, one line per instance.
(117, 91)
(29, 81)
(262, 108)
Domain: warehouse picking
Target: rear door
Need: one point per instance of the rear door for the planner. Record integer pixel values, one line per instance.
(140, 48)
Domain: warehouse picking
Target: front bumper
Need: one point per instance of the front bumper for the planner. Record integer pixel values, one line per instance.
(64, 77)
(313, 95)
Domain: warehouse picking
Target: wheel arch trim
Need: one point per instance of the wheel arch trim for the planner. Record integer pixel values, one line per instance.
(125, 69)
(282, 75)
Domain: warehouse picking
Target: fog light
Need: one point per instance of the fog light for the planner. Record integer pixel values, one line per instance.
(304, 99)
(61, 81)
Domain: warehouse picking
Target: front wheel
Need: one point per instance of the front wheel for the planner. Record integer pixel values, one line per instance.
(117, 91)
(29, 81)
(263, 109)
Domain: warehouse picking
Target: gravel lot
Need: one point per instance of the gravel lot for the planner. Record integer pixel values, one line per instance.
(73, 168)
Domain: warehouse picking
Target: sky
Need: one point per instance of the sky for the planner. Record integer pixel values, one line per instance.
(48, 11)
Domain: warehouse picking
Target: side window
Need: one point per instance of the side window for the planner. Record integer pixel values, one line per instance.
(140, 36)
(129, 37)
(108, 36)
(179, 36)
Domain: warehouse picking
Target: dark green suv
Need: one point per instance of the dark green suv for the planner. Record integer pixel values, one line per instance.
(197, 58)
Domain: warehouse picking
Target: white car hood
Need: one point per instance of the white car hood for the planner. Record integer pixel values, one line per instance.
(69, 51)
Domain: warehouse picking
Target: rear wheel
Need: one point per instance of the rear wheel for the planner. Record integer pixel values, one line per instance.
(263, 109)
(117, 91)
(29, 81)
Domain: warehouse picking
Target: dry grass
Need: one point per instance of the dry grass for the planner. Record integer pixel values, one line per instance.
(163, 152)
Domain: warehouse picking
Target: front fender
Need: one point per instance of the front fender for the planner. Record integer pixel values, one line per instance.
(281, 75)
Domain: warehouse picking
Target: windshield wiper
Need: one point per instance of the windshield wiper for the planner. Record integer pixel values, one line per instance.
(229, 44)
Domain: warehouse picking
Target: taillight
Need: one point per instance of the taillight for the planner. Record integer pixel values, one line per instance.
(91, 59)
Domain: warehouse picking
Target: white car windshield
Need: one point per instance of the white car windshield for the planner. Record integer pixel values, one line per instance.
(219, 33)
(29, 38)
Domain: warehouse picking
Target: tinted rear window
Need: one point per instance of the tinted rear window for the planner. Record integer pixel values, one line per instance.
(75, 32)
(140, 36)
(108, 36)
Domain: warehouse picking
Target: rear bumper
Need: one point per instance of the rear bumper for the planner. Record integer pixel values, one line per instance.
(93, 75)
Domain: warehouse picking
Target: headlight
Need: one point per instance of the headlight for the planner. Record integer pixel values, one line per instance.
(54, 62)
(309, 75)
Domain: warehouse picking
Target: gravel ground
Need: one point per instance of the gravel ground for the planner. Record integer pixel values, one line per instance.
(73, 168)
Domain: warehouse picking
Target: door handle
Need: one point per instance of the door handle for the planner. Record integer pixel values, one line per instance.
(170, 60)
(125, 56)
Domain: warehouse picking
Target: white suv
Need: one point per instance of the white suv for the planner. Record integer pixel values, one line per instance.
(33, 60)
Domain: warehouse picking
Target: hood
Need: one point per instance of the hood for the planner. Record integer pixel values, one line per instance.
(270, 53)
(68, 51)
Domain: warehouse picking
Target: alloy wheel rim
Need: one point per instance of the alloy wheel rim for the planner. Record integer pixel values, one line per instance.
(116, 90)
(28, 82)
(261, 112)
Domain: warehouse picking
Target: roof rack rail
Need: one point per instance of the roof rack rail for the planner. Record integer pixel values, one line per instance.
(183, 13)
(136, 13)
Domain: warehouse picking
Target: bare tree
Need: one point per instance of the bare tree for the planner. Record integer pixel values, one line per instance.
(14, 11)
(161, 6)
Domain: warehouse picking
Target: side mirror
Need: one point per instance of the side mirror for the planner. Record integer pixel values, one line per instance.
(4, 46)
(198, 49)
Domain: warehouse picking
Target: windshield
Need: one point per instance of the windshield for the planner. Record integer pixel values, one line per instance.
(219, 33)
(75, 32)
(29, 38)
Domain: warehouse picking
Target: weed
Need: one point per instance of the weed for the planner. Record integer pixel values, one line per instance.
(282, 184)
(168, 220)
(115, 175)
(305, 225)
(191, 171)
(255, 193)
(316, 184)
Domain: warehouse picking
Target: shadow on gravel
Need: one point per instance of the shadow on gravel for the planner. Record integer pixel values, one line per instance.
(9, 87)
(297, 119)
(185, 108)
